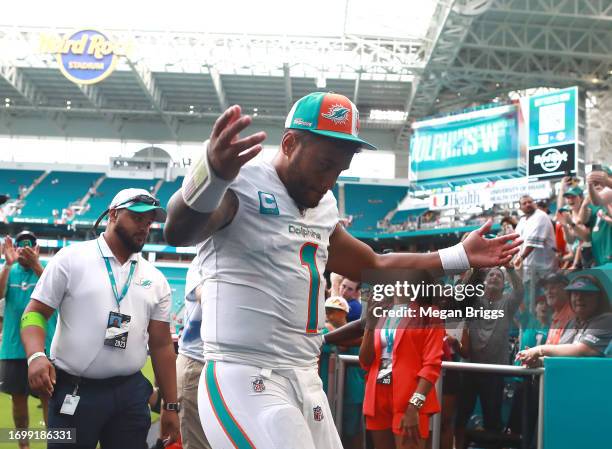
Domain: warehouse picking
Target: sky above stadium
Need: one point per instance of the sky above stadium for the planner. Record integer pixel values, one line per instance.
(388, 18)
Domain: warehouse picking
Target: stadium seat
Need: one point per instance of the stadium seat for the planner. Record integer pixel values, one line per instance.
(108, 189)
(368, 204)
(57, 191)
(167, 190)
(11, 180)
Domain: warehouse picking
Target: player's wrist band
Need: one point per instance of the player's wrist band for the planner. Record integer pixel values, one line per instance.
(34, 319)
(454, 258)
(35, 356)
(202, 190)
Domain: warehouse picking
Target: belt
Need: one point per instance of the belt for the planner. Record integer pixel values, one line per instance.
(63, 376)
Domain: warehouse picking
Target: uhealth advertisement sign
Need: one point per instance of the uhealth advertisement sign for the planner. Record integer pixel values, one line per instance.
(475, 142)
(86, 56)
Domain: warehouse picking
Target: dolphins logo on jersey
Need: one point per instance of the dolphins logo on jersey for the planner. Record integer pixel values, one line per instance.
(337, 114)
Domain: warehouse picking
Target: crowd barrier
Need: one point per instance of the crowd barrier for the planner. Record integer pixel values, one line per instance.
(573, 412)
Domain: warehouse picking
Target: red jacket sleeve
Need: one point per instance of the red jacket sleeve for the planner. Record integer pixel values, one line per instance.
(432, 352)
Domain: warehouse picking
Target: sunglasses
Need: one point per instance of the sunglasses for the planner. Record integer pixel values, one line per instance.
(25, 244)
(146, 199)
(141, 199)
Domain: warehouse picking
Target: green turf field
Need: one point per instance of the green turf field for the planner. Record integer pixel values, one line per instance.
(36, 418)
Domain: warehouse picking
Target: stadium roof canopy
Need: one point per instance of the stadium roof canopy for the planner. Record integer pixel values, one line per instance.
(397, 63)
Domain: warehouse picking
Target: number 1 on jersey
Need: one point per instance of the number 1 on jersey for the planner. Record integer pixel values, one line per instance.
(308, 257)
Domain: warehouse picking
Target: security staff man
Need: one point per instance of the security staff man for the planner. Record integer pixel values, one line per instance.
(93, 375)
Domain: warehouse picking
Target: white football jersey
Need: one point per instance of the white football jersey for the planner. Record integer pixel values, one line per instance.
(263, 291)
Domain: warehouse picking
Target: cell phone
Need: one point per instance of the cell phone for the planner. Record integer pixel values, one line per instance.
(596, 167)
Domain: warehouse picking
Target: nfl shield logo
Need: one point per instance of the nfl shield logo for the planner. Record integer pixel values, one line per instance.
(318, 413)
(258, 385)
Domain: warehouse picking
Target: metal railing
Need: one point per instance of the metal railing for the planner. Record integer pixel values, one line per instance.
(337, 376)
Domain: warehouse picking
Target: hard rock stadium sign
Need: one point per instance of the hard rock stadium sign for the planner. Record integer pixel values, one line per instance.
(85, 57)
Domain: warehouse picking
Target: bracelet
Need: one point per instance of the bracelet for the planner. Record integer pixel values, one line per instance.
(454, 258)
(35, 356)
(202, 190)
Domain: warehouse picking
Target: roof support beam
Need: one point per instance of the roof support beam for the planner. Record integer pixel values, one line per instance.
(288, 87)
(30, 93)
(356, 89)
(145, 79)
(216, 79)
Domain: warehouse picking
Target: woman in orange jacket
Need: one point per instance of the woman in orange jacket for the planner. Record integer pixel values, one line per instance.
(402, 354)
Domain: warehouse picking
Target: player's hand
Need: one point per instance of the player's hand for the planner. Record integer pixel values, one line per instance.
(41, 376)
(227, 152)
(28, 257)
(483, 252)
(409, 426)
(170, 427)
(10, 253)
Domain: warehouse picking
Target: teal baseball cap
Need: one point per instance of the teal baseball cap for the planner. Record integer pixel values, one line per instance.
(573, 191)
(583, 284)
(327, 114)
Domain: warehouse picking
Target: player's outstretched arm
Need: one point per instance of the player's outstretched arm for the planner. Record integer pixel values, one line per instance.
(350, 257)
(205, 202)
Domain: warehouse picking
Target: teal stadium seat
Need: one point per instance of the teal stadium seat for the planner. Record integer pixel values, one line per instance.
(176, 278)
(404, 215)
(167, 190)
(57, 191)
(11, 180)
(369, 204)
(108, 189)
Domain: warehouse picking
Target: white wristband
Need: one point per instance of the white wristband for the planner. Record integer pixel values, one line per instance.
(202, 190)
(35, 356)
(454, 258)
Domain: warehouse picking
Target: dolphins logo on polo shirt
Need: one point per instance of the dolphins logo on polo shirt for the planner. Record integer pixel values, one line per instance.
(145, 283)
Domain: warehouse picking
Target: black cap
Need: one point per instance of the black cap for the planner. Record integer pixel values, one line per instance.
(26, 235)
(554, 278)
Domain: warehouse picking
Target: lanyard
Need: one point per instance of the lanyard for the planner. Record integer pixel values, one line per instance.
(111, 278)
(390, 330)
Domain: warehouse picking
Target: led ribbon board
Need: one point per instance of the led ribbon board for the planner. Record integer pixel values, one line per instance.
(467, 144)
(85, 57)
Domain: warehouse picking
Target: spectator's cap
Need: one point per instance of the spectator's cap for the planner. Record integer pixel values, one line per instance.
(25, 238)
(337, 302)
(573, 191)
(583, 284)
(564, 209)
(327, 114)
(554, 278)
(139, 201)
(540, 299)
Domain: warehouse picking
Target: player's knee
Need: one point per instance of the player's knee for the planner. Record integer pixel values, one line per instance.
(285, 427)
